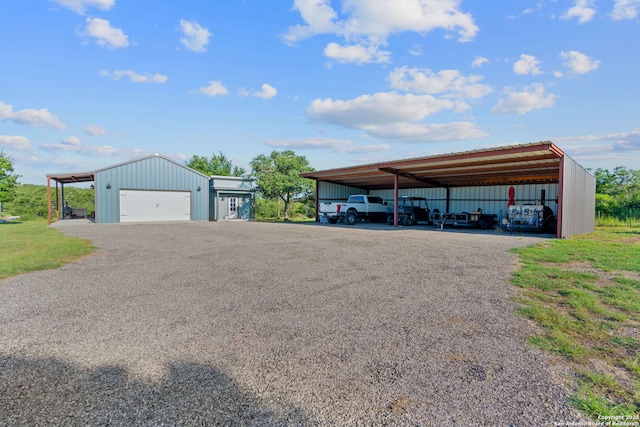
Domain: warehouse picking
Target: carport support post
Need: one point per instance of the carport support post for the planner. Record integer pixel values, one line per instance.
(447, 202)
(49, 201)
(317, 203)
(560, 197)
(395, 200)
(57, 202)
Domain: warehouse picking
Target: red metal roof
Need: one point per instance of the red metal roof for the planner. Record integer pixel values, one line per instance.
(533, 163)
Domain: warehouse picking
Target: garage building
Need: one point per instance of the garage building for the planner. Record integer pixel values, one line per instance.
(156, 188)
(538, 173)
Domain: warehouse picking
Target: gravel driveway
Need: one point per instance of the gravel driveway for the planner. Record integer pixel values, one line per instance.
(241, 323)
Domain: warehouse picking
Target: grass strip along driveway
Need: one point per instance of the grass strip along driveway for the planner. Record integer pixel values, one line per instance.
(31, 246)
(584, 293)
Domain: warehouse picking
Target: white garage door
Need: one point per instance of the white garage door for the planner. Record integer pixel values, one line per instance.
(139, 205)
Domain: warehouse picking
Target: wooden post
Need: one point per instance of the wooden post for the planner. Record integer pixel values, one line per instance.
(48, 201)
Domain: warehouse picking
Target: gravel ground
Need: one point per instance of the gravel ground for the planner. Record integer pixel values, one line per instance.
(241, 323)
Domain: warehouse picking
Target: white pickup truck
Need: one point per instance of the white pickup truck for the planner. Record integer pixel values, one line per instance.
(357, 207)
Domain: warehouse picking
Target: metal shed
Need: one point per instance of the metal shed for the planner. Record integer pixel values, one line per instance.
(151, 188)
(538, 172)
(231, 198)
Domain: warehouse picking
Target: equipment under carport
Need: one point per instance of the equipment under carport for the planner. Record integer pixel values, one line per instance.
(530, 218)
(411, 210)
(463, 219)
(71, 213)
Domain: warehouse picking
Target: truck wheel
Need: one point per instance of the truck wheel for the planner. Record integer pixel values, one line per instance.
(351, 217)
(407, 220)
(390, 220)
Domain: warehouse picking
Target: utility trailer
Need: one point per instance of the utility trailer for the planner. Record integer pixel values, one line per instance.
(463, 219)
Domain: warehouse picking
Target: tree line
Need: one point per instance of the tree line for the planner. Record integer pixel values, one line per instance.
(618, 192)
(281, 191)
(277, 177)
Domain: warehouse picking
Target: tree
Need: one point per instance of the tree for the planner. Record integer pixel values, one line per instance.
(8, 179)
(617, 191)
(218, 164)
(278, 177)
(30, 201)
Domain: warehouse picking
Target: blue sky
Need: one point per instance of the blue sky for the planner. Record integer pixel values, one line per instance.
(85, 84)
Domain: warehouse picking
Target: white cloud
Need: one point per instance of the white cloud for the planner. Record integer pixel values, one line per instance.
(80, 6)
(537, 8)
(527, 64)
(415, 50)
(358, 53)
(266, 92)
(394, 116)
(379, 108)
(15, 142)
(578, 62)
(341, 146)
(623, 141)
(95, 130)
(451, 83)
(628, 141)
(195, 37)
(71, 141)
(426, 132)
(73, 145)
(582, 9)
(385, 17)
(135, 77)
(30, 117)
(531, 98)
(214, 88)
(625, 9)
(479, 61)
(370, 22)
(319, 18)
(105, 34)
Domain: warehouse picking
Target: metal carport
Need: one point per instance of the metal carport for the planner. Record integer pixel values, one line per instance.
(534, 163)
(62, 179)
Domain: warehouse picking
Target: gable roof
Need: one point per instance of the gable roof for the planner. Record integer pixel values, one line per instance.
(151, 156)
(69, 178)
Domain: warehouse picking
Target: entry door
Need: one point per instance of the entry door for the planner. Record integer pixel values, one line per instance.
(233, 207)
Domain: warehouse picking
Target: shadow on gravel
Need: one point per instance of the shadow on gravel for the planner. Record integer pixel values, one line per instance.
(52, 392)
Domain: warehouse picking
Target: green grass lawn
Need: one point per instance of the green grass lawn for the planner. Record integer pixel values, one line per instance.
(31, 245)
(584, 294)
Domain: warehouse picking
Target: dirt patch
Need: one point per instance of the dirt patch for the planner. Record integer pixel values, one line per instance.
(606, 278)
(621, 376)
